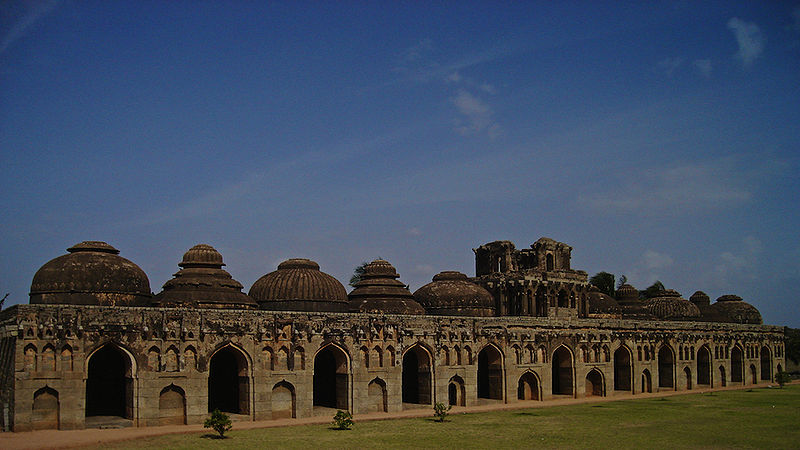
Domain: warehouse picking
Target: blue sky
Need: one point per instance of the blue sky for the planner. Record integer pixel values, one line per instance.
(660, 140)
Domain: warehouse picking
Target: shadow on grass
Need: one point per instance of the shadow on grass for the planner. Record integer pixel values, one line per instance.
(213, 436)
(526, 413)
(339, 429)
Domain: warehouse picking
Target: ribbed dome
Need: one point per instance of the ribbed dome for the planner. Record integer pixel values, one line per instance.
(299, 285)
(700, 299)
(669, 305)
(379, 291)
(731, 308)
(602, 304)
(452, 294)
(91, 274)
(627, 295)
(201, 283)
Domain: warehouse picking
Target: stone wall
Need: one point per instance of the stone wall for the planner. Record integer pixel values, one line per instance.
(263, 362)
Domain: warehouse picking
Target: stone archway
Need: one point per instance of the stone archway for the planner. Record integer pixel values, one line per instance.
(228, 381)
(562, 371)
(490, 373)
(766, 364)
(172, 406)
(376, 391)
(737, 365)
(704, 366)
(283, 401)
(687, 375)
(647, 383)
(623, 371)
(753, 374)
(109, 383)
(528, 387)
(331, 378)
(417, 376)
(666, 367)
(45, 411)
(722, 380)
(595, 387)
(456, 392)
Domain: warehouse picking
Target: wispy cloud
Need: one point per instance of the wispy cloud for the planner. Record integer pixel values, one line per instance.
(476, 115)
(737, 264)
(681, 189)
(704, 66)
(654, 260)
(27, 14)
(749, 38)
(670, 65)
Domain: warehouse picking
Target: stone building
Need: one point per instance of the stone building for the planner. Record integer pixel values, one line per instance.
(94, 347)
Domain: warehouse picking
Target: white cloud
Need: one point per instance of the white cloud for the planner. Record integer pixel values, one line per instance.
(750, 40)
(704, 66)
(654, 260)
(682, 189)
(29, 13)
(740, 263)
(670, 65)
(476, 114)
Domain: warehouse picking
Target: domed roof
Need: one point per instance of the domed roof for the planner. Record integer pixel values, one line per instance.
(299, 285)
(202, 283)
(627, 295)
(452, 294)
(669, 305)
(731, 308)
(600, 303)
(92, 273)
(700, 299)
(379, 291)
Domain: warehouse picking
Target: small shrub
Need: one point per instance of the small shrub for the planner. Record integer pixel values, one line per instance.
(343, 420)
(220, 422)
(782, 378)
(440, 411)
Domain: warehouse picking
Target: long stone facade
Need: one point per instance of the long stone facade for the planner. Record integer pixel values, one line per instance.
(71, 366)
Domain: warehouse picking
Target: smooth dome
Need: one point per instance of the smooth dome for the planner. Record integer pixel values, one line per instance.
(92, 273)
(452, 294)
(379, 291)
(202, 283)
(731, 308)
(670, 306)
(299, 285)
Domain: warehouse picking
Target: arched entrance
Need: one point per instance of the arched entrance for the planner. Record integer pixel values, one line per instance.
(376, 392)
(228, 381)
(528, 387)
(687, 375)
(45, 413)
(622, 369)
(456, 395)
(562, 371)
(109, 385)
(666, 364)
(594, 384)
(704, 366)
(417, 376)
(766, 364)
(647, 384)
(331, 378)
(722, 380)
(737, 365)
(172, 406)
(283, 401)
(753, 374)
(490, 373)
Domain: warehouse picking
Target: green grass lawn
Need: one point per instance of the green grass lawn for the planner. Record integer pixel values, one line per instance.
(757, 418)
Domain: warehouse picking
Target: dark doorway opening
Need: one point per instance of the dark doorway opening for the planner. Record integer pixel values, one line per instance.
(416, 376)
(704, 366)
(109, 385)
(562, 372)
(594, 384)
(228, 383)
(766, 364)
(737, 366)
(666, 364)
(622, 369)
(490, 373)
(330, 378)
(528, 387)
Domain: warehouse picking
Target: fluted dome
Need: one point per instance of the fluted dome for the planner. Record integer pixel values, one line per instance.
(601, 304)
(700, 299)
(627, 295)
(379, 291)
(202, 283)
(92, 273)
(669, 305)
(731, 308)
(452, 294)
(299, 285)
